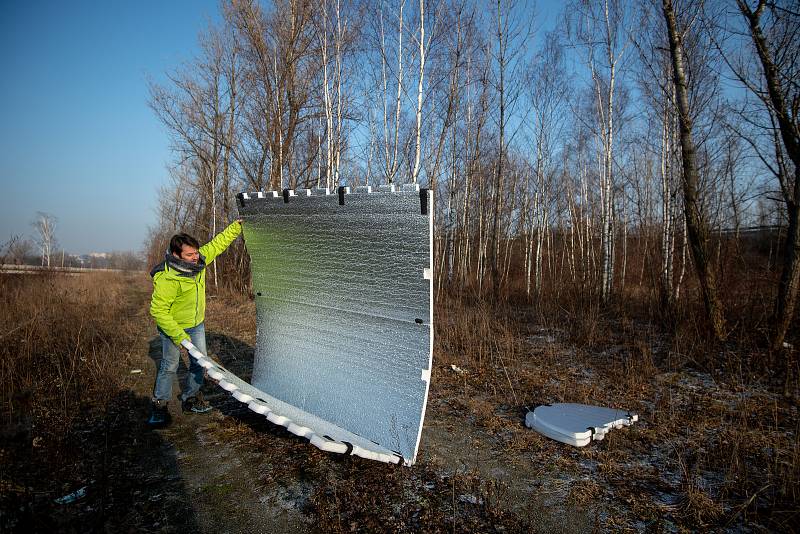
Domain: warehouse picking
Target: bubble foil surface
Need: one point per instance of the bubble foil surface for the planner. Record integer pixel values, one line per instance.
(344, 310)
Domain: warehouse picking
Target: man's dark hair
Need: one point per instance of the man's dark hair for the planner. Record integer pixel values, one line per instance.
(178, 240)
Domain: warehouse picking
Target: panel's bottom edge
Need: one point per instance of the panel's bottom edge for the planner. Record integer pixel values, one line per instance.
(232, 384)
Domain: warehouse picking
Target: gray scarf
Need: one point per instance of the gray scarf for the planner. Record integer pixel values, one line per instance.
(184, 268)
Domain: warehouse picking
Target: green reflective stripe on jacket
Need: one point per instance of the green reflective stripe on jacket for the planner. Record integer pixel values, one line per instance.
(179, 302)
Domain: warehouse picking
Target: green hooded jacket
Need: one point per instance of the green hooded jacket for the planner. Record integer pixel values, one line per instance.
(179, 302)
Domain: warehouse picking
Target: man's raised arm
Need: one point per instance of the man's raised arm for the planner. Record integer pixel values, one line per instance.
(221, 241)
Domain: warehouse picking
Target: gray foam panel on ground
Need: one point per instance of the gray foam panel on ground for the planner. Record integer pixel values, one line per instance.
(344, 308)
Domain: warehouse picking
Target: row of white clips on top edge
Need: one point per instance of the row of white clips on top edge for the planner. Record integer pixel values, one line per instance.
(261, 408)
(324, 191)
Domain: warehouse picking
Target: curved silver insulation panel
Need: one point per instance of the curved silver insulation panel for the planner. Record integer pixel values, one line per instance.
(344, 313)
(320, 433)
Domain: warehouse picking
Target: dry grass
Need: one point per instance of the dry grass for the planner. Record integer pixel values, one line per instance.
(62, 340)
(717, 445)
(719, 440)
(65, 344)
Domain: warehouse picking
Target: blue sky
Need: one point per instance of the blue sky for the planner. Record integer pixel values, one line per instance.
(77, 138)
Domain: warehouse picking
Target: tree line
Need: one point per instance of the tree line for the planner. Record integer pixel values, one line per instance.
(44, 250)
(619, 153)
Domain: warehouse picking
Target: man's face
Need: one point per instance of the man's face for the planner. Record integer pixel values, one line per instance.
(189, 253)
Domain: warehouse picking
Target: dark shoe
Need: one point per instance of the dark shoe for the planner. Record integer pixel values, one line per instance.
(159, 414)
(196, 404)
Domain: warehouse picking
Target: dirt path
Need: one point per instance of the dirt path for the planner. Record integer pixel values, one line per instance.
(222, 480)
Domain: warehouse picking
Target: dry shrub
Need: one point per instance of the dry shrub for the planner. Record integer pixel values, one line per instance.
(697, 507)
(761, 466)
(632, 367)
(586, 326)
(236, 309)
(476, 334)
(739, 459)
(61, 342)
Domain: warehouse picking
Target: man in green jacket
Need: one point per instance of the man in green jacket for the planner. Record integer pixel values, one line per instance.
(178, 306)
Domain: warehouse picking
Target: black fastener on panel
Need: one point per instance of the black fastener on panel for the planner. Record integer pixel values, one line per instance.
(341, 195)
(423, 201)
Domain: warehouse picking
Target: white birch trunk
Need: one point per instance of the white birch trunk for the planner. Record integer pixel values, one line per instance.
(667, 233)
(280, 122)
(395, 163)
(684, 250)
(415, 172)
(338, 81)
(386, 158)
(327, 98)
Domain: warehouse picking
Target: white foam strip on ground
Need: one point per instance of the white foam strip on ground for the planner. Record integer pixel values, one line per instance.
(320, 433)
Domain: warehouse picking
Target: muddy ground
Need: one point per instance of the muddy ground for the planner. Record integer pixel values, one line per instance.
(706, 454)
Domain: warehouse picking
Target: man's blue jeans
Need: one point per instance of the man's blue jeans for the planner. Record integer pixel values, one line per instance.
(171, 356)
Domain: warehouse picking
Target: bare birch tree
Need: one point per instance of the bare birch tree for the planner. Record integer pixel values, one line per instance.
(774, 29)
(45, 225)
(601, 28)
(422, 55)
(696, 224)
(392, 138)
(545, 81)
(509, 29)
